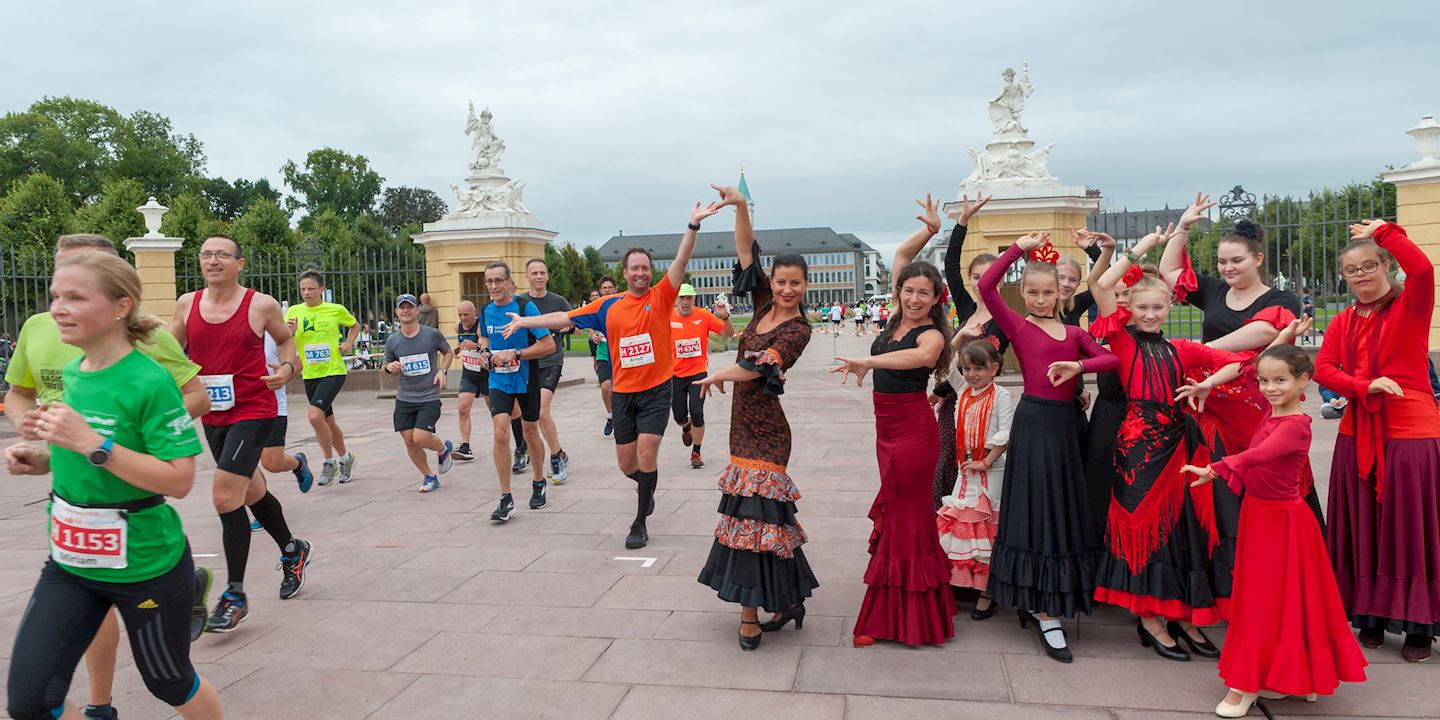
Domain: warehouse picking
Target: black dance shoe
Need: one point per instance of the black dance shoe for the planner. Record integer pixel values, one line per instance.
(1169, 653)
(978, 614)
(1202, 647)
(748, 643)
(796, 613)
(1060, 654)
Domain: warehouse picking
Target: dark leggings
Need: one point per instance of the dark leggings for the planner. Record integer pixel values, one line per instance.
(685, 400)
(63, 616)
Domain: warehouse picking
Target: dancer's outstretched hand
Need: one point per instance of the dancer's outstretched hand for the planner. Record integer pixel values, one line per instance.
(1205, 474)
(1032, 240)
(708, 382)
(1193, 393)
(701, 212)
(931, 216)
(1063, 371)
(1196, 212)
(1365, 230)
(729, 195)
(968, 209)
(852, 366)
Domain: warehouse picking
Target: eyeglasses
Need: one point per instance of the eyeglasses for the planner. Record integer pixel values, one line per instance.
(1366, 268)
(496, 281)
(217, 254)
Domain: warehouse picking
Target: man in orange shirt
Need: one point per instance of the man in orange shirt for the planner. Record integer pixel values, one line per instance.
(636, 325)
(690, 328)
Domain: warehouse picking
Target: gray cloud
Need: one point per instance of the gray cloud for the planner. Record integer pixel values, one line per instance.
(617, 115)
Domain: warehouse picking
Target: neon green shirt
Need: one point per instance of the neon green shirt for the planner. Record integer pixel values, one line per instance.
(135, 403)
(317, 337)
(41, 356)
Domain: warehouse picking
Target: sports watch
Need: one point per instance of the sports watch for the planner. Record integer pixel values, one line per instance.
(101, 455)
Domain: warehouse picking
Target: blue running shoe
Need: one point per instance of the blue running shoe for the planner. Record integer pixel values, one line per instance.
(446, 458)
(302, 473)
(255, 526)
(429, 484)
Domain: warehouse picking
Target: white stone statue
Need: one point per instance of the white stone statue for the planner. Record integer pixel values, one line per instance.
(487, 145)
(1005, 109)
(1011, 166)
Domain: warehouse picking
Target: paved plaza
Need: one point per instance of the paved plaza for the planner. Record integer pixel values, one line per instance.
(418, 606)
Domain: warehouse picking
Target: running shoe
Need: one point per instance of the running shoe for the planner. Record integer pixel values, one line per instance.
(303, 476)
(463, 452)
(537, 495)
(347, 467)
(446, 458)
(328, 472)
(105, 712)
(522, 460)
(429, 484)
(198, 612)
(504, 509)
(255, 526)
(292, 569)
(695, 461)
(558, 463)
(230, 611)
(685, 436)
(637, 537)
(609, 426)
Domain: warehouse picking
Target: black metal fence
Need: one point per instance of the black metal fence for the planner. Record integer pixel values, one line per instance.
(24, 288)
(1303, 237)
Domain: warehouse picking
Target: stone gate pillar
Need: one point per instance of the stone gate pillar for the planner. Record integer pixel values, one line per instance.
(1417, 202)
(155, 261)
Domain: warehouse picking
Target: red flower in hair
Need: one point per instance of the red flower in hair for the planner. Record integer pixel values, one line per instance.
(1045, 253)
(1132, 275)
(944, 294)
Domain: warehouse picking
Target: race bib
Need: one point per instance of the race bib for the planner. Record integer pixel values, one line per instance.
(687, 348)
(412, 365)
(87, 537)
(317, 353)
(221, 389)
(471, 360)
(636, 350)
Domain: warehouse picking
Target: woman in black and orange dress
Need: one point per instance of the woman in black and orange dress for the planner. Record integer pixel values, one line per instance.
(756, 559)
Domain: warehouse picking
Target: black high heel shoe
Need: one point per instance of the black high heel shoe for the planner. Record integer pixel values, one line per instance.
(987, 613)
(1060, 654)
(748, 643)
(1202, 647)
(796, 612)
(1169, 653)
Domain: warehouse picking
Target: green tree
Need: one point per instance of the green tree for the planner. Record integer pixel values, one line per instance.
(331, 232)
(333, 180)
(34, 213)
(114, 214)
(559, 275)
(595, 263)
(228, 200)
(152, 153)
(190, 218)
(581, 282)
(263, 226)
(403, 206)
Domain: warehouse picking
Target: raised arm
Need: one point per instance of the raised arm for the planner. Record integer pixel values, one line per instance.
(930, 224)
(1172, 261)
(744, 232)
(1418, 296)
(1112, 275)
(676, 273)
(1105, 301)
(1010, 321)
(965, 305)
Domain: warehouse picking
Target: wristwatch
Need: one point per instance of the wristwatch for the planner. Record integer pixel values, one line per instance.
(101, 455)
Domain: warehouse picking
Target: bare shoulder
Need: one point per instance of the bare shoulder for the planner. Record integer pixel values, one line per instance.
(263, 304)
(183, 304)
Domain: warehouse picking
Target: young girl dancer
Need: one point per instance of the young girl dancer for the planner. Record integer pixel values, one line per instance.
(1287, 633)
(1046, 549)
(1108, 407)
(1385, 474)
(969, 516)
(1159, 536)
(907, 598)
(756, 560)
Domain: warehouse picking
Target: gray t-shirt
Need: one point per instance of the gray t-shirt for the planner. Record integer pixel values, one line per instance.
(552, 302)
(419, 358)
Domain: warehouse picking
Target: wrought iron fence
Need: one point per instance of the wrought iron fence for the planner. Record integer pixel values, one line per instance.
(1303, 237)
(24, 288)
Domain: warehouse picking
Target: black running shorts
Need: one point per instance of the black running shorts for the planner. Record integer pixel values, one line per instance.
(322, 391)
(236, 447)
(417, 416)
(647, 411)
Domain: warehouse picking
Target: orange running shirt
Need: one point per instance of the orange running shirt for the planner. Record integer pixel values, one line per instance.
(637, 329)
(691, 335)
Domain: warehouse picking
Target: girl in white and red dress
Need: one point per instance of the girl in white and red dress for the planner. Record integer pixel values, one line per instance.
(969, 516)
(1288, 634)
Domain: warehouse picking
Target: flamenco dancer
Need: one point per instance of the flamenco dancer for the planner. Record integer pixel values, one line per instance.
(975, 323)
(907, 598)
(1045, 554)
(756, 560)
(969, 516)
(1287, 633)
(1385, 473)
(1160, 536)
(1110, 401)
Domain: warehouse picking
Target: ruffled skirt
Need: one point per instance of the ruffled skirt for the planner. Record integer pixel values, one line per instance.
(756, 560)
(967, 522)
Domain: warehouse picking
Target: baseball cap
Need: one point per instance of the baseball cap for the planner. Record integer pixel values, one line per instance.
(404, 298)
(686, 290)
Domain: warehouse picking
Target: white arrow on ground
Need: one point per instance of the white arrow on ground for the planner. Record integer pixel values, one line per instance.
(644, 561)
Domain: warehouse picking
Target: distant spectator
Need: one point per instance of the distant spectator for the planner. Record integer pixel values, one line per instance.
(428, 315)
(1332, 405)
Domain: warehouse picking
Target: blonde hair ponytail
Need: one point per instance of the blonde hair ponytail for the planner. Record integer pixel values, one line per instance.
(117, 279)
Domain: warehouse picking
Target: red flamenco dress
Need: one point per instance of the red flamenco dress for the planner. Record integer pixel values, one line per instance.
(1288, 632)
(1160, 532)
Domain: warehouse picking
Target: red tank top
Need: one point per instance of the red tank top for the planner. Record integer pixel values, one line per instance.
(232, 361)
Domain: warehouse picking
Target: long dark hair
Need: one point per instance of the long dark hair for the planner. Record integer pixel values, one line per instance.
(937, 314)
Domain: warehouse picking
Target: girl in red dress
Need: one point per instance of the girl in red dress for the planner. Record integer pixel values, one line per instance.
(1288, 634)
(1384, 534)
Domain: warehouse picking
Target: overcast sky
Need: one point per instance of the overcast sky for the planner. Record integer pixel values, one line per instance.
(618, 114)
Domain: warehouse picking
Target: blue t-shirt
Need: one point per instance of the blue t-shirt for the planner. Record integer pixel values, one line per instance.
(513, 379)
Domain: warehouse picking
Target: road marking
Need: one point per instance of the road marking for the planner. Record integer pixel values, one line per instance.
(205, 555)
(645, 562)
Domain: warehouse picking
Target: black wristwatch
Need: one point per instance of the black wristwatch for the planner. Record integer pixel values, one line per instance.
(694, 226)
(101, 455)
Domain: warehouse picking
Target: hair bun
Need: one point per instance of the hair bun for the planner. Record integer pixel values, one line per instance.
(1247, 228)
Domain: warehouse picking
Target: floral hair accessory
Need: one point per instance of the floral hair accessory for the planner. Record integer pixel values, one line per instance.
(1132, 275)
(1045, 253)
(944, 294)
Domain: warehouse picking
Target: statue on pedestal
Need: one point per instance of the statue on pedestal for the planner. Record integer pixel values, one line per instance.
(1005, 109)
(1009, 158)
(487, 145)
(486, 190)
